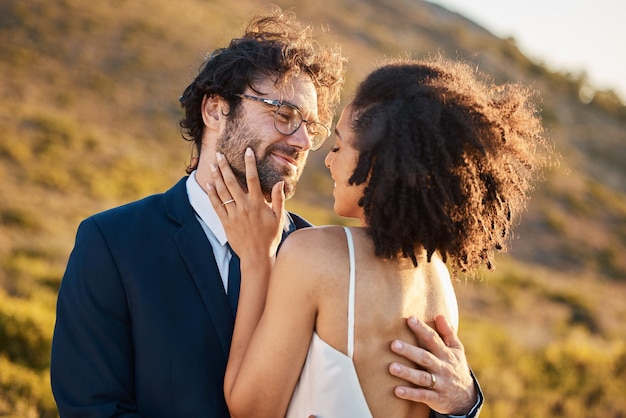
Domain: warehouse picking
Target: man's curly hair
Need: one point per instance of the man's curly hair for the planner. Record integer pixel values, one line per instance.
(275, 45)
(449, 159)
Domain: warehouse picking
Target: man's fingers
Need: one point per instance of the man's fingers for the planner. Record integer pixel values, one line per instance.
(428, 337)
(440, 352)
(416, 394)
(415, 354)
(446, 332)
(422, 393)
(418, 377)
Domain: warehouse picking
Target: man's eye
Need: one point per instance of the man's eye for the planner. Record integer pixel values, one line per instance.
(283, 117)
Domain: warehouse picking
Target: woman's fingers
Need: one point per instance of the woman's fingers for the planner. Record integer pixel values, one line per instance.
(278, 199)
(215, 200)
(252, 174)
(226, 183)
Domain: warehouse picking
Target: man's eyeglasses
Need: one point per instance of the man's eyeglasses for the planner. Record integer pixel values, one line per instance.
(288, 118)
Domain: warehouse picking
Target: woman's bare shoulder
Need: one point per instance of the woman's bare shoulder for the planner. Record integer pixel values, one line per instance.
(313, 245)
(316, 239)
(443, 290)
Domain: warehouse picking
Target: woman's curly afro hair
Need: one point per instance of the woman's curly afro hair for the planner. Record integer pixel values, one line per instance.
(449, 159)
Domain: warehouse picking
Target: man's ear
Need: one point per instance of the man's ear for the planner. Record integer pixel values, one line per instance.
(214, 111)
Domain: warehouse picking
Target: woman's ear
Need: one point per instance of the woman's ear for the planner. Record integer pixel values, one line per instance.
(214, 111)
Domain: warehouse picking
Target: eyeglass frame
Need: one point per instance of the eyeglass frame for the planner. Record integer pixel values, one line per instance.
(278, 104)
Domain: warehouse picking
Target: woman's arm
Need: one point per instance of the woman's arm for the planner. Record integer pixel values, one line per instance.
(270, 339)
(267, 354)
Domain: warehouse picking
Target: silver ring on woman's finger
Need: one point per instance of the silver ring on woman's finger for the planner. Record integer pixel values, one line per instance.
(227, 202)
(433, 380)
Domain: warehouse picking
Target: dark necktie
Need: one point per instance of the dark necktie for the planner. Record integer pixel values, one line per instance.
(234, 281)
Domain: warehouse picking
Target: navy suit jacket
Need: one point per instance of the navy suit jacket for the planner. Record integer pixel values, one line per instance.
(143, 322)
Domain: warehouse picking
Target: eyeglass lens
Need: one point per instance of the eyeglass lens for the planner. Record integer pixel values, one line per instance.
(288, 119)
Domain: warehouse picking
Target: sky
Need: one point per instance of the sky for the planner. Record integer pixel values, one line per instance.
(565, 35)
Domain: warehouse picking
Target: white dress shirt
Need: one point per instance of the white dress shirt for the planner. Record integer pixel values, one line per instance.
(211, 225)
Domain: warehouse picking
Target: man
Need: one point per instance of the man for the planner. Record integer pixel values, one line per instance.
(143, 317)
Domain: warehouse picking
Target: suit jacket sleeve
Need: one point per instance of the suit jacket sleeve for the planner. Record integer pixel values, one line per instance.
(92, 360)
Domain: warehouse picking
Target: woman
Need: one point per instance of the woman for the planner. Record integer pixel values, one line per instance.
(436, 164)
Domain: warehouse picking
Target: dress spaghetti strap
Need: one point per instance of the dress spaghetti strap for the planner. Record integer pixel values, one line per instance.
(329, 385)
(351, 292)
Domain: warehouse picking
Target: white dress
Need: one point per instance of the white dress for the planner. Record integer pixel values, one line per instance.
(328, 385)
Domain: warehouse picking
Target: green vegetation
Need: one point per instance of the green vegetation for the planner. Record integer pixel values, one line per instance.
(574, 376)
(89, 119)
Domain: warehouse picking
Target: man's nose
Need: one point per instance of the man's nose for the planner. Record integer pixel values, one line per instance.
(300, 138)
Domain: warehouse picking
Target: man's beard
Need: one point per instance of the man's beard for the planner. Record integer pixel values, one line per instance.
(233, 143)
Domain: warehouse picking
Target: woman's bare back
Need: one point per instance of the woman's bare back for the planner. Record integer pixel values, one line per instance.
(387, 292)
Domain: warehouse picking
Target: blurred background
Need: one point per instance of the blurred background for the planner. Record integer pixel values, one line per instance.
(572, 36)
(89, 120)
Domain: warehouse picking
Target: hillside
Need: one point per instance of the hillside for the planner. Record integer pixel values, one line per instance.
(89, 120)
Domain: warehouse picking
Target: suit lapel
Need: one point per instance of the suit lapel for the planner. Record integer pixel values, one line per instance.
(197, 254)
(196, 251)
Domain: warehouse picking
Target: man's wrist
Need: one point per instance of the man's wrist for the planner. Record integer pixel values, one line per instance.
(474, 412)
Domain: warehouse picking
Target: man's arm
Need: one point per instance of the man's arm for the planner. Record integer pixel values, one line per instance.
(444, 381)
(91, 364)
